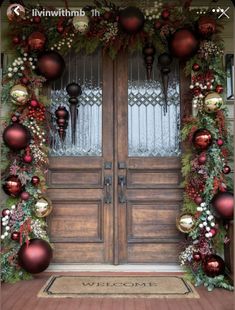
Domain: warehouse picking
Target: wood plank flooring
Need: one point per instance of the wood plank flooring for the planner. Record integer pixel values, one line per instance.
(23, 295)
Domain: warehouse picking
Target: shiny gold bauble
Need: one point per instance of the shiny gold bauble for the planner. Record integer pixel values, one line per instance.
(43, 206)
(213, 102)
(185, 223)
(80, 23)
(19, 94)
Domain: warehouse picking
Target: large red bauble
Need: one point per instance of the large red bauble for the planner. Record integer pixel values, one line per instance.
(183, 44)
(206, 25)
(16, 136)
(131, 19)
(12, 186)
(223, 203)
(51, 65)
(213, 265)
(35, 257)
(15, 236)
(36, 41)
(202, 139)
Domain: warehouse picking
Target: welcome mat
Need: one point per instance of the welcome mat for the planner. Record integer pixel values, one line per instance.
(118, 286)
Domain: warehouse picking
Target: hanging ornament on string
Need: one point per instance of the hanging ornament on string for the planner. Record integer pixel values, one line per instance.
(202, 139)
(131, 20)
(164, 61)
(62, 116)
(149, 52)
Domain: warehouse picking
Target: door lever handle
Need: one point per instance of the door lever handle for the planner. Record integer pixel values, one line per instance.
(122, 182)
(108, 183)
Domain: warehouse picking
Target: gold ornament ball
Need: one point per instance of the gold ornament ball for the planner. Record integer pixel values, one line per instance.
(80, 23)
(213, 102)
(185, 223)
(43, 206)
(19, 94)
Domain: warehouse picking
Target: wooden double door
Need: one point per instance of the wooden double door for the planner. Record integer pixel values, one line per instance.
(117, 207)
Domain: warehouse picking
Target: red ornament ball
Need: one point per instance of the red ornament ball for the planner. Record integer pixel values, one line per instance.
(35, 180)
(196, 67)
(35, 257)
(16, 136)
(15, 236)
(157, 25)
(213, 231)
(197, 257)
(183, 44)
(213, 265)
(5, 212)
(206, 25)
(165, 14)
(60, 29)
(198, 200)
(36, 41)
(27, 158)
(51, 65)
(226, 169)
(12, 186)
(131, 20)
(223, 202)
(33, 103)
(202, 139)
(16, 40)
(24, 80)
(219, 89)
(220, 142)
(24, 196)
(202, 159)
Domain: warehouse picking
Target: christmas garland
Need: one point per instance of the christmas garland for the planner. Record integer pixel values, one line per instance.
(39, 41)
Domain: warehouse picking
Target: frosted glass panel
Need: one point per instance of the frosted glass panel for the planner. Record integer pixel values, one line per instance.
(150, 131)
(84, 70)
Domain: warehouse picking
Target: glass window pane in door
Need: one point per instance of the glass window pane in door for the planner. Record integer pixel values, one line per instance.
(151, 132)
(86, 71)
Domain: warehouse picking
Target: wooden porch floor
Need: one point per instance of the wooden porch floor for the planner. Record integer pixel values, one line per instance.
(23, 295)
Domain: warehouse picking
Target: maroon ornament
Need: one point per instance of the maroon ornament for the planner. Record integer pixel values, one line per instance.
(35, 180)
(196, 67)
(33, 103)
(219, 89)
(183, 44)
(198, 200)
(131, 20)
(16, 40)
(27, 158)
(197, 257)
(213, 231)
(15, 118)
(62, 116)
(202, 139)
(164, 61)
(165, 14)
(149, 52)
(12, 186)
(206, 25)
(60, 29)
(36, 41)
(15, 236)
(226, 169)
(37, 19)
(35, 257)
(24, 196)
(220, 142)
(202, 159)
(223, 202)
(51, 65)
(5, 212)
(16, 136)
(24, 80)
(213, 265)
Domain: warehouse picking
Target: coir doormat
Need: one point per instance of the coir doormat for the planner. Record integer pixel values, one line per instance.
(118, 286)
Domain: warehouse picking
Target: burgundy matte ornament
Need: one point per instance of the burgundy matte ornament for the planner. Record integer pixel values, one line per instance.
(60, 29)
(51, 65)
(16, 40)
(164, 61)
(16, 136)
(219, 89)
(206, 25)
(37, 19)
(35, 180)
(202, 139)
(226, 169)
(36, 41)
(24, 80)
(27, 158)
(196, 67)
(5, 212)
(62, 116)
(12, 186)
(33, 103)
(198, 200)
(24, 196)
(131, 20)
(223, 202)
(15, 236)
(36, 256)
(197, 257)
(149, 52)
(213, 265)
(220, 142)
(183, 43)
(202, 159)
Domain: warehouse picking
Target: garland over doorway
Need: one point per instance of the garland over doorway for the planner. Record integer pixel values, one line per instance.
(166, 31)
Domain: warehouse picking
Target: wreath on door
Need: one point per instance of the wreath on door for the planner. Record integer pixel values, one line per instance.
(165, 30)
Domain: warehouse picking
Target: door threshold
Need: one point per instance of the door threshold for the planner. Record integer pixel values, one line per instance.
(114, 268)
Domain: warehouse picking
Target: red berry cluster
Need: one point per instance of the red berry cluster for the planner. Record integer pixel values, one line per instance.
(37, 113)
(194, 192)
